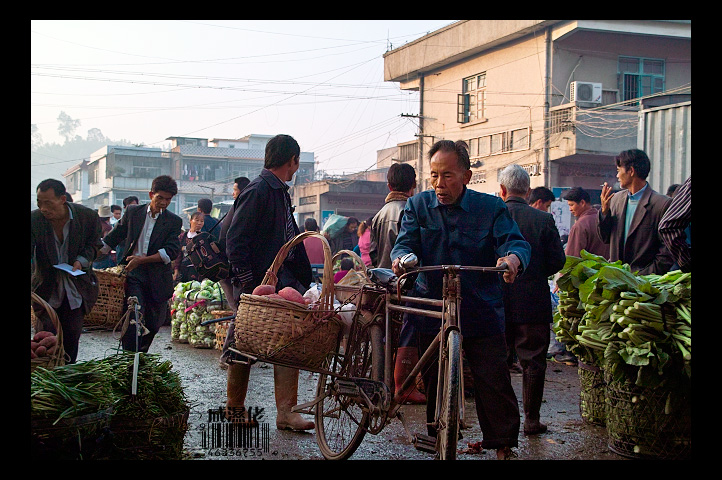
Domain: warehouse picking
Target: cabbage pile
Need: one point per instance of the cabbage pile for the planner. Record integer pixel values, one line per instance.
(192, 304)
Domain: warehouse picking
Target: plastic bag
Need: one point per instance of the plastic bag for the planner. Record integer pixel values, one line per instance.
(313, 293)
(334, 224)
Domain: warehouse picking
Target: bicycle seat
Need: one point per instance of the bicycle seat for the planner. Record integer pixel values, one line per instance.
(384, 277)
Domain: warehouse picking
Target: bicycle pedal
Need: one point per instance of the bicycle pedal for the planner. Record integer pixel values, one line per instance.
(425, 443)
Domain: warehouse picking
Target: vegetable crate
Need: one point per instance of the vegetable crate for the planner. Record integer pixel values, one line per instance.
(108, 308)
(280, 331)
(592, 402)
(647, 423)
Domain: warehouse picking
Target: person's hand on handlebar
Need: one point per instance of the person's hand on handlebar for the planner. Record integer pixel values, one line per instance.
(513, 263)
(396, 268)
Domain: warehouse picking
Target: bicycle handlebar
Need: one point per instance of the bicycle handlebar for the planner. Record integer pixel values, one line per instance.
(503, 267)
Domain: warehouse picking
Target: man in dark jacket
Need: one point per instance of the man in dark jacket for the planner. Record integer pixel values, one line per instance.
(262, 223)
(151, 233)
(452, 225)
(527, 303)
(64, 233)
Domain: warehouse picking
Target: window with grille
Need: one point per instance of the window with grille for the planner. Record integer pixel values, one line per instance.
(639, 77)
(470, 103)
(561, 121)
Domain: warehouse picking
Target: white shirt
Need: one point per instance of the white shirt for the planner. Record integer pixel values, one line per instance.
(141, 248)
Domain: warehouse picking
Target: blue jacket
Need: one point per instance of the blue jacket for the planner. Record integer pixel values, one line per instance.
(477, 230)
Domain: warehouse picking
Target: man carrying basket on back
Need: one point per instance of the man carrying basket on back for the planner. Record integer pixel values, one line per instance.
(262, 223)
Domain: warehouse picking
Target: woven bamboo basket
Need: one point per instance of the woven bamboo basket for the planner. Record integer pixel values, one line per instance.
(285, 332)
(59, 357)
(221, 327)
(149, 438)
(71, 438)
(351, 291)
(592, 391)
(108, 308)
(644, 423)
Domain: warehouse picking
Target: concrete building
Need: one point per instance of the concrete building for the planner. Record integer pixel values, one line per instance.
(201, 167)
(559, 97)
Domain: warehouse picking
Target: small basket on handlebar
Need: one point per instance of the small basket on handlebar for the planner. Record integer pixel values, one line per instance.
(280, 331)
(349, 287)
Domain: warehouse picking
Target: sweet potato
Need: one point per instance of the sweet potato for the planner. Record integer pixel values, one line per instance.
(52, 350)
(275, 295)
(32, 354)
(48, 342)
(41, 351)
(264, 290)
(40, 335)
(33, 345)
(291, 294)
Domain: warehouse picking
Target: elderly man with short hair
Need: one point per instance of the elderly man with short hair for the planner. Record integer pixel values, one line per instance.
(527, 303)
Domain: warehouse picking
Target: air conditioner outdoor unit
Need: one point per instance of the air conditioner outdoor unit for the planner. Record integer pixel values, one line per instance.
(586, 92)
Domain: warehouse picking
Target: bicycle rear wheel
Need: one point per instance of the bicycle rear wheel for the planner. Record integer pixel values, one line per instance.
(447, 432)
(341, 421)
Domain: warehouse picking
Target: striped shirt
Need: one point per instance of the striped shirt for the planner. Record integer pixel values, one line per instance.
(672, 227)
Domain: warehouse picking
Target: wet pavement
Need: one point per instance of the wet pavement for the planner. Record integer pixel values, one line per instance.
(568, 437)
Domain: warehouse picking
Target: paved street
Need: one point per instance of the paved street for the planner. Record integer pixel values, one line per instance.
(204, 382)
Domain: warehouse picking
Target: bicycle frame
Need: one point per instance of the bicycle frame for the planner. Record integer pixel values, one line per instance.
(373, 394)
(450, 304)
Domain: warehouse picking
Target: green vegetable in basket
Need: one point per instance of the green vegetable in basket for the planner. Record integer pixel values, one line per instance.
(70, 390)
(159, 389)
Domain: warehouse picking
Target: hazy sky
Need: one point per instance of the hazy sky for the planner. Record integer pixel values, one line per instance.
(143, 81)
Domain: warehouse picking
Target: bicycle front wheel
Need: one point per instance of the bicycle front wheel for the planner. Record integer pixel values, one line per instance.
(448, 420)
(342, 422)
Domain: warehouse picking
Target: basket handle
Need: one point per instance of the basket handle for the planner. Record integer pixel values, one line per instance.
(327, 291)
(34, 297)
(357, 260)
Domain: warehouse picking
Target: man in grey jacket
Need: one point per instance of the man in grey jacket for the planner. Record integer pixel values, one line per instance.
(401, 180)
(629, 219)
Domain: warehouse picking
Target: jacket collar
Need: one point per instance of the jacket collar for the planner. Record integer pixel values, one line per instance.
(272, 180)
(464, 202)
(515, 199)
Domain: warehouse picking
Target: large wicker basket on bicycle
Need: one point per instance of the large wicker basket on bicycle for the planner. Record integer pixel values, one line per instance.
(280, 331)
(58, 357)
(108, 308)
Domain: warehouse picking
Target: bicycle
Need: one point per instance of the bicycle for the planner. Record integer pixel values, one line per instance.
(354, 394)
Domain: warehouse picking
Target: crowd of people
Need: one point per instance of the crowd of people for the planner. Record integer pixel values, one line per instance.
(507, 318)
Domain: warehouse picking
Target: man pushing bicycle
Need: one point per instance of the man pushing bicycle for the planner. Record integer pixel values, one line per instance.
(453, 225)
